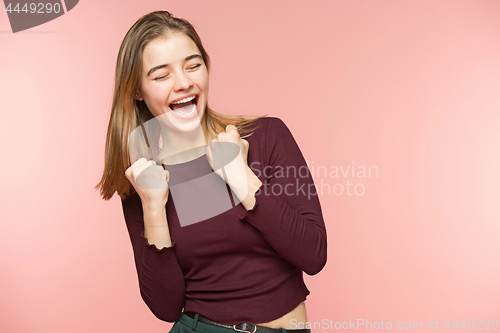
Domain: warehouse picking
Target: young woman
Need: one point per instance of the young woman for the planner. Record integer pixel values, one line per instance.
(221, 210)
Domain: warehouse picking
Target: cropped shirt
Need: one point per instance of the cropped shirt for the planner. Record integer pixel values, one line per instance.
(237, 266)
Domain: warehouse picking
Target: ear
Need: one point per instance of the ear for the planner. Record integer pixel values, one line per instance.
(138, 96)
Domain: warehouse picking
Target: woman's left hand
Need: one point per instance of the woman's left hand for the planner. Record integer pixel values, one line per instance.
(227, 155)
(231, 164)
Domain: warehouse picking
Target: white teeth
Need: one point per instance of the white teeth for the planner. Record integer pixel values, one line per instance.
(184, 110)
(187, 99)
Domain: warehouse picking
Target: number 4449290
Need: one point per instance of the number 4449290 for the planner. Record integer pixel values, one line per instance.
(473, 324)
(42, 8)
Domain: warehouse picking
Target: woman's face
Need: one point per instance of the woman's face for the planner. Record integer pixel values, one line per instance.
(174, 82)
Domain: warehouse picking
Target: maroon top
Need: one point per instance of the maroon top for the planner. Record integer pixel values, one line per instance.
(238, 266)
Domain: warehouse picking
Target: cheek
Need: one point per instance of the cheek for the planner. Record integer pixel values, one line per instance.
(156, 100)
(158, 95)
(204, 87)
(202, 80)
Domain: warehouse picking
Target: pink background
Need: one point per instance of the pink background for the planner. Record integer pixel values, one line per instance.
(411, 87)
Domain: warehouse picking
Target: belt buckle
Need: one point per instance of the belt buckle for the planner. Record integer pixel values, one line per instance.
(243, 330)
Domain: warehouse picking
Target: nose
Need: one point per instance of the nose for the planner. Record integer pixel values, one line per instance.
(182, 82)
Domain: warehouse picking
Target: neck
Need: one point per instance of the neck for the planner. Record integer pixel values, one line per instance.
(180, 147)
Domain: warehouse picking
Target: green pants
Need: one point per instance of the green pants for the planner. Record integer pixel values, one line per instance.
(186, 324)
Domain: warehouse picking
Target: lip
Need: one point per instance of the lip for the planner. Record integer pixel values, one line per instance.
(181, 98)
(191, 115)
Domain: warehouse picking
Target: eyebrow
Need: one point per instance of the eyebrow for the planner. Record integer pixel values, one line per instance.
(166, 65)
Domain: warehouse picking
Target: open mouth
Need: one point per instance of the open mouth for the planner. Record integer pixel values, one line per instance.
(185, 106)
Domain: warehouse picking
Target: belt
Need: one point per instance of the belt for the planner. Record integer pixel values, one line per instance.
(246, 328)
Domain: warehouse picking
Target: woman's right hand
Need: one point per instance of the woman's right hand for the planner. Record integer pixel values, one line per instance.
(150, 181)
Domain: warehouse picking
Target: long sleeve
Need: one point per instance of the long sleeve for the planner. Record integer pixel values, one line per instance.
(287, 211)
(161, 281)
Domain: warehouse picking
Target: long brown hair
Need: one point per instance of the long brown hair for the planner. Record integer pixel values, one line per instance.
(127, 113)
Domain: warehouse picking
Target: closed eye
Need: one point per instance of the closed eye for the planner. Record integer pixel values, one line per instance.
(194, 67)
(160, 77)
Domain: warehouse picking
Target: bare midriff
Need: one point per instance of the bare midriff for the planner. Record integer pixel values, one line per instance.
(299, 314)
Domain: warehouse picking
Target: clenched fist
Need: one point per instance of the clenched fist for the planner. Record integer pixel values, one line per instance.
(227, 154)
(150, 181)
